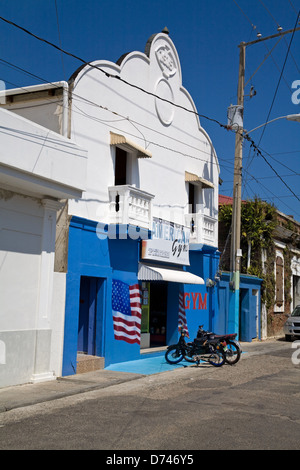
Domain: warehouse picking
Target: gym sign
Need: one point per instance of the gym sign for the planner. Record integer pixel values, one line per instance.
(169, 243)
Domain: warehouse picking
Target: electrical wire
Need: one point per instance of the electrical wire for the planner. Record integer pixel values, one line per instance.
(290, 2)
(248, 19)
(266, 191)
(270, 54)
(59, 38)
(278, 25)
(270, 110)
(280, 77)
(279, 28)
(259, 152)
(176, 150)
(94, 104)
(127, 118)
(109, 75)
(158, 97)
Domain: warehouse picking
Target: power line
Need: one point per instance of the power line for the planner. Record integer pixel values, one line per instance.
(156, 96)
(256, 147)
(279, 80)
(109, 75)
(252, 144)
(278, 25)
(278, 161)
(265, 190)
(150, 142)
(279, 28)
(155, 143)
(127, 118)
(248, 19)
(292, 6)
(59, 38)
(88, 101)
(281, 74)
(269, 177)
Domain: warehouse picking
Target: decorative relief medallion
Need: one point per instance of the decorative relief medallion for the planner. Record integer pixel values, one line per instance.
(164, 108)
(166, 61)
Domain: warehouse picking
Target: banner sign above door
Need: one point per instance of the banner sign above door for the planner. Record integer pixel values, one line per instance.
(170, 243)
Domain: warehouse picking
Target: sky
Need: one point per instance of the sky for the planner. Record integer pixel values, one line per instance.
(206, 34)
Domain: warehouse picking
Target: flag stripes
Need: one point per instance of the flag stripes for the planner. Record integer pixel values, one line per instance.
(127, 312)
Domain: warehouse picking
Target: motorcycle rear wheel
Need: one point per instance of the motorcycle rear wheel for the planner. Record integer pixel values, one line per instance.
(188, 355)
(232, 353)
(173, 355)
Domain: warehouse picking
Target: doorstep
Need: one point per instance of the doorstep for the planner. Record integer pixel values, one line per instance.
(87, 363)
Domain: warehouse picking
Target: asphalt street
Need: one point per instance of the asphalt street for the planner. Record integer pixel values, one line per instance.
(252, 405)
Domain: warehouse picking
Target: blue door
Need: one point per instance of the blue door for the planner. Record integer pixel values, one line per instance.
(90, 316)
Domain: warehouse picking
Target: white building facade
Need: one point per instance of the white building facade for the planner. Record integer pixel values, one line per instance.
(149, 215)
(39, 169)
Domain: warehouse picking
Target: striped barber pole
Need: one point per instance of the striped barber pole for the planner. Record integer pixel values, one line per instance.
(182, 315)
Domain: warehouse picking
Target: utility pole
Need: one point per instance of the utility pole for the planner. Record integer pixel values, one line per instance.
(237, 179)
(235, 253)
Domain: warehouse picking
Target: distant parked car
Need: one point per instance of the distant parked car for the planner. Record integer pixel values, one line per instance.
(292, 325)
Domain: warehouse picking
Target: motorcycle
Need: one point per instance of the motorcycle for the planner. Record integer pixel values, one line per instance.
(231, 346)
(201, 349)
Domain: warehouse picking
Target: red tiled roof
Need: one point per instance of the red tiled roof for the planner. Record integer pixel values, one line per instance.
(225, 199)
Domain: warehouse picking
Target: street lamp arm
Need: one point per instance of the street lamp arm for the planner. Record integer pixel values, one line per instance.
(289, 117)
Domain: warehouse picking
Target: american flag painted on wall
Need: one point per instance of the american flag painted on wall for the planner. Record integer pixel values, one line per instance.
(181, 314)
(127, 311)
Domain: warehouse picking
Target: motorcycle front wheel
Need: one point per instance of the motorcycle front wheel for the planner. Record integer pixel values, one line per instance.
(217, 358)
(233, 353)
(173, 355)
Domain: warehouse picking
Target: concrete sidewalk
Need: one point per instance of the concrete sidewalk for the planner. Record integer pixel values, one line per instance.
(31, 394)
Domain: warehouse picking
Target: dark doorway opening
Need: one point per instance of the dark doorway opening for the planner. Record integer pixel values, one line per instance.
(158, 313)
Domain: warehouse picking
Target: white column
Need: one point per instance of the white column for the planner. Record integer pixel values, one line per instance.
(43, 321)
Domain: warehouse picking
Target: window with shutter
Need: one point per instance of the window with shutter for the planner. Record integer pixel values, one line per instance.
(279, 281)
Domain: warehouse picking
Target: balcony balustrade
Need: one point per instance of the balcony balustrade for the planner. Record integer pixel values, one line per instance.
(203, 229)
(130, 205)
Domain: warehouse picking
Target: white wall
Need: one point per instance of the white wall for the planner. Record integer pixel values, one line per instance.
(37, 169)
(101, 104)
(38, 153)
(21, 223)
(177, 141)
(26, 269)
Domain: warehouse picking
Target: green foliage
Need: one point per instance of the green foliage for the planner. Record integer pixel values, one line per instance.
(225, 214)
(258, 221)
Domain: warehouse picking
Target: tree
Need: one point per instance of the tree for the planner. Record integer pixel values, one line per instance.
(258, 221)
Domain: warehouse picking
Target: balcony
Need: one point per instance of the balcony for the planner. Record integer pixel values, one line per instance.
(204, 229)
(130, 205)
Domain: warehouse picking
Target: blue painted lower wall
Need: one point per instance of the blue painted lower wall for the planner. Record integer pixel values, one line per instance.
(248, 324)
(91, 255)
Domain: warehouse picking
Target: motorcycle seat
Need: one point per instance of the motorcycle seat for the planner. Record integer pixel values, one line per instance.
(229, 336)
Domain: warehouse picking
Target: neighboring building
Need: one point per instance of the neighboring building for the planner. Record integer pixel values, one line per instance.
(39, 171)
(274, 255)
(147, 223)
(286, 273)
